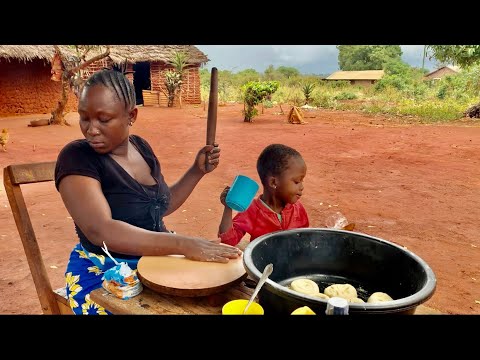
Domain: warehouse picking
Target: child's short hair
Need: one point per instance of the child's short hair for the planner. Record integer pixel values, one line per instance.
(274, 160)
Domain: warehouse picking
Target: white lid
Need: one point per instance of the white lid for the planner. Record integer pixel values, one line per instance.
(337, 306)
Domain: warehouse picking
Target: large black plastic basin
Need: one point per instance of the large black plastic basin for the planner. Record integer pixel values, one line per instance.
(329, 256)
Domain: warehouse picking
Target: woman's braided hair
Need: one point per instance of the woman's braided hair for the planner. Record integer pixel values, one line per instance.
(116, 81)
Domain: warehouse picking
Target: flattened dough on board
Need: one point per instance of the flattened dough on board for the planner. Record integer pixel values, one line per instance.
(345, 291)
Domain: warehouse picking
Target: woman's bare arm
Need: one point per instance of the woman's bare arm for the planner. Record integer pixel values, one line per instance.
(91, 212)
(182, 189)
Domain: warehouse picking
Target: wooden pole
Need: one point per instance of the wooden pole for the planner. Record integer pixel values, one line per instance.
(212, 110)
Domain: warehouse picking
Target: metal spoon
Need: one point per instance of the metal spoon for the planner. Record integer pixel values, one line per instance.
(266, 273)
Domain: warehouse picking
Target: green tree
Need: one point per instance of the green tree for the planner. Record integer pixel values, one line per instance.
(366, 57)
(307, 90)
(461, 55)
(400, 76)
(172, 82)
(288, 71)
(71, 75)
(269, 73)
(244, 76)
(179, 61)
(204, 77)
(254, 93)
(396, 67)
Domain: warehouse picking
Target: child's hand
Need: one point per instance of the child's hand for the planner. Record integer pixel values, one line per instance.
(223, 195)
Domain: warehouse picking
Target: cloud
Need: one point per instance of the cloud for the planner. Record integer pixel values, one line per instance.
(308, 59)
(413, 55)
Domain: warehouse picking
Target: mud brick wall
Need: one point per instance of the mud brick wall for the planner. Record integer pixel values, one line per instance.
(157, 80)
(190, 86)
(362, 82)
(96, 66)
(100, 65)
(26, 88)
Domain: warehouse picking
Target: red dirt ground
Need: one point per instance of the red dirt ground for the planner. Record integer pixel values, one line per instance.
(415, 185)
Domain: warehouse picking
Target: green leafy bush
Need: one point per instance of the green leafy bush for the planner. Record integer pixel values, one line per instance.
(345, 95)
(254, 93)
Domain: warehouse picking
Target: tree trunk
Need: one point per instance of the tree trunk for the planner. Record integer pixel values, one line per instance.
(245, 113)
(171, 99)
(57, 114)
(248, 113)
(180, 96)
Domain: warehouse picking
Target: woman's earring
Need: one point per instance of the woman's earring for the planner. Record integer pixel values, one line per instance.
(130, 123)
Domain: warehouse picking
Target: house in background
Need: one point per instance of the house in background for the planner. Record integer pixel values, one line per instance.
(26, 86)
(25, 80)
(149, 64)
(441, 72)
(363, 77)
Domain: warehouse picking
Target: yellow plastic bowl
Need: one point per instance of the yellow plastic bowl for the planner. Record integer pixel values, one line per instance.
(236, 307)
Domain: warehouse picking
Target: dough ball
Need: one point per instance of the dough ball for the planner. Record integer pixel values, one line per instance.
(356, 301)
(322, 296)
(378, 297)
(345, 291)
(305, 286)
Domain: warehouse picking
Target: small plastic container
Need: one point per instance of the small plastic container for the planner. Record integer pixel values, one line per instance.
(241, 193)
(337, 306)
(336, 221)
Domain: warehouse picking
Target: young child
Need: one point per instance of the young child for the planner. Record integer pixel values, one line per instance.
(281, 170)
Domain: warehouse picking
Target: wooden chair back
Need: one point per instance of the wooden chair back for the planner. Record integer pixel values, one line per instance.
(52, 301)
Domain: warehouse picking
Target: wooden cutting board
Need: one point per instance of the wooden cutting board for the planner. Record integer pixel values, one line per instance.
(176, 275)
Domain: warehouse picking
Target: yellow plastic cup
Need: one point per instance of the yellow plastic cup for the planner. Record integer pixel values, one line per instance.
(236, 307)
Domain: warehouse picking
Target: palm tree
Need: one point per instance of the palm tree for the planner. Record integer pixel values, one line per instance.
(179, 61)
(307, 91)
(172, 82)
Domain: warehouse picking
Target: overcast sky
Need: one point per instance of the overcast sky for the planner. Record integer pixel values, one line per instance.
(308, 59)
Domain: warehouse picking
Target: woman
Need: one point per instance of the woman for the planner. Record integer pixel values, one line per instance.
(111, 184)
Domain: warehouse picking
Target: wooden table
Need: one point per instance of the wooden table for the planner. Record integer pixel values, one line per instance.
(149, 302)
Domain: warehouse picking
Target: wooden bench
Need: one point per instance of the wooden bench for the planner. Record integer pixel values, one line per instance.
(52, 301)
(151, 98)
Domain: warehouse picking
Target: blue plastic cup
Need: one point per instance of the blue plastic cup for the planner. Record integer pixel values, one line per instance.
(241, 193)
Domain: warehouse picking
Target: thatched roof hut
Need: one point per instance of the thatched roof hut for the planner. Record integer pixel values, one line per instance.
(31, 52)
(25, 80)
(155, 53)
(26, 69)
(150, 62)
(118, 53)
